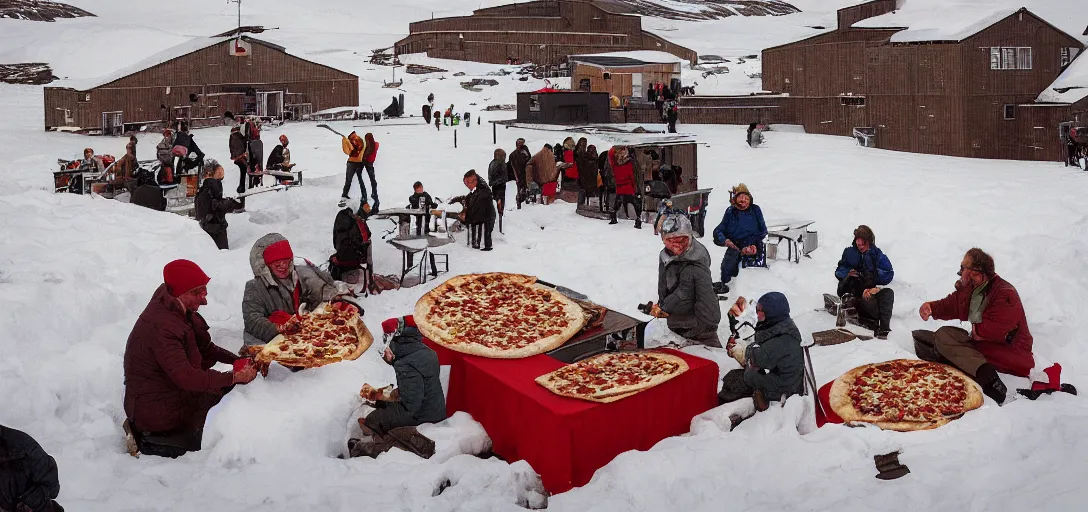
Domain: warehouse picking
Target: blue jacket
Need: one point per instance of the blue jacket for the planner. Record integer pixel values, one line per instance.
(873, 261)
(744, 228)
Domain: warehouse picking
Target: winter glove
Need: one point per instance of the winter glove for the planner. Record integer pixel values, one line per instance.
(737, 352)
(279, 317)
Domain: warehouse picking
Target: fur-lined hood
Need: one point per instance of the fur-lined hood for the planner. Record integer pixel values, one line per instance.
(256, 260)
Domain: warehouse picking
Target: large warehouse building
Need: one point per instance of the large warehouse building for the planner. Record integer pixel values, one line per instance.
(199, 81)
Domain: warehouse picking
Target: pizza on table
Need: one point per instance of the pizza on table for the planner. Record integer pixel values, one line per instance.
(498, 315)
(329, 334)
(613, 376)
(904, 395)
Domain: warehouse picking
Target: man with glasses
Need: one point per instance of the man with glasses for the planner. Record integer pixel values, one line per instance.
(685, 289)
(999, 339)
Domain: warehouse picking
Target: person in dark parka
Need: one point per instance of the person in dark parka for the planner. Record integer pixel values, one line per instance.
(169, 382)
(741, 231)
(147, 193)
(28, 476)
(240, 156)
(519, 160)
(863, 273)
(497, 175)
(774, 364)
(210, 205)
(417, 399)
(685, 291)
(479, 212)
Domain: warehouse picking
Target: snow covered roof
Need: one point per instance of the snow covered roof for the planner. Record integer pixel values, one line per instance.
(631, 58)
(171, 53)
(944, 20)
(1071, 86)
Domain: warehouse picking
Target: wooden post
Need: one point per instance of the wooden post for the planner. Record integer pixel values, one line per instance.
(494, 134)
(455, 138)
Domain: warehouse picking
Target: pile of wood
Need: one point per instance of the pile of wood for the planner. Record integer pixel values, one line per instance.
(418, 69)
(501, 107)
(383, 57)
(33, 73)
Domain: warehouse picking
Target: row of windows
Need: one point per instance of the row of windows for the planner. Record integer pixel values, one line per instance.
(1004, 57)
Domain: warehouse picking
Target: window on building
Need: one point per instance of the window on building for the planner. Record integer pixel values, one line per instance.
(1006, 57)
(1068, 54)
(853, 101)
(1010, 111)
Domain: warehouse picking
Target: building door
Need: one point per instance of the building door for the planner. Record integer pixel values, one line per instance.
(113, 123)
(270, 104)
(636, 85)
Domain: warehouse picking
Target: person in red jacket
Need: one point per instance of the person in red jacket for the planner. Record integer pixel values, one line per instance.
(623, 171)
(369, 155)
(999, 340)
(169, 383)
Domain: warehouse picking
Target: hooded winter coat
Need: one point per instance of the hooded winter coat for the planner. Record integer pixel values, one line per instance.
(519, 159)
(211, 207)
(237, 145)
(870, 263)
(169, 383)
(497, 173)
(162, 150)
(479, 207)
(350, 238)
(541, 168)
(743, 227)
(354, 146)
(587, 170)
(776, 358)
(685, 290)
(1003, 336)
(28, 475)
(622, 173)
(264, 294)
(417, 371)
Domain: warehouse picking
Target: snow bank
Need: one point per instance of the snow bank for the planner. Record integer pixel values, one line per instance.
(941, 20)
(1071, 86)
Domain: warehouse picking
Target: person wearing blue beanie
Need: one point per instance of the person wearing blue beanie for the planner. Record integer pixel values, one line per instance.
(774, 364)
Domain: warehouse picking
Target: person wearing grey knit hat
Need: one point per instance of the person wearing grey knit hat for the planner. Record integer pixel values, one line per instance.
(685, 291)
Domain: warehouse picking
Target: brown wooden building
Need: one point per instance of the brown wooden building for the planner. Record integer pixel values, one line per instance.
(199, 81)
(969, 94)
(622, 74)
(541, 32)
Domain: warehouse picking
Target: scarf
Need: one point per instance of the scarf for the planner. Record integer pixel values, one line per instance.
(978, 303)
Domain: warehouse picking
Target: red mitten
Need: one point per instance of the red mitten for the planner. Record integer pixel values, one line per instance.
(279, 317)
(1055, 374)
(344, 306)
(241, 364)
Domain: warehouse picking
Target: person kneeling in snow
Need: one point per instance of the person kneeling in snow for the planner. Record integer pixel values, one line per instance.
(861, 271)
(685, 291)
(417, 399)
(741, 231)
(169, 383)
(999, 340)
(279, 288)
(774, 364)
(28, 475)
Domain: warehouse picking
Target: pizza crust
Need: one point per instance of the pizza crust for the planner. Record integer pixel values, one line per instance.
(839, 399)
(270, 351)
(619, 392)
(426, 312)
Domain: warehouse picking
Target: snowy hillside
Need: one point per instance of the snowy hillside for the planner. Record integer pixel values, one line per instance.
(75, 272)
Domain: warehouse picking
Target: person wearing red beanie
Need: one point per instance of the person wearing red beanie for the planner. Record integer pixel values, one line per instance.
(417, 398)
(169, 382)
(279, 288)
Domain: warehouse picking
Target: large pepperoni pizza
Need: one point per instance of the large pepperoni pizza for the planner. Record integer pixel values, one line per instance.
(613, 376)
(329, 334)
(904, 395)
(498, 315)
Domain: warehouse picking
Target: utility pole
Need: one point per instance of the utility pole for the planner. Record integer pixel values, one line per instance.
(239, 2)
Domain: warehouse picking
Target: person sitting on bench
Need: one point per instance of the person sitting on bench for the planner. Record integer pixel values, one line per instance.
(773, 365)
(999, 340)
(685, 294)
(862, 271)
(417, 399)
(351, 239)
(741, 231)
(169, 383)
(279, 160)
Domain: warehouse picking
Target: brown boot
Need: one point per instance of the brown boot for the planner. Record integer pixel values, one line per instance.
(408, 438)
(376, 446)
(760, 400)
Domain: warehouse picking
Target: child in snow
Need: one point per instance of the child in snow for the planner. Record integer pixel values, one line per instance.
(421, 200)
(437, 121)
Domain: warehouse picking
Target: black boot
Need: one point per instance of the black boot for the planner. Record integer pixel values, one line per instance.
(613, 221)
(721, 288)
(987, 377)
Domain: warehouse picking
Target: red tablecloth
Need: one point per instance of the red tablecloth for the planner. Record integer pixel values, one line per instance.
(455, 396)
(565, 439)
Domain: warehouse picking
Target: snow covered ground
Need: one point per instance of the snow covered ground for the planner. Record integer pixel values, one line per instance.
(75, 272)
